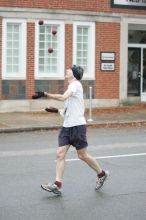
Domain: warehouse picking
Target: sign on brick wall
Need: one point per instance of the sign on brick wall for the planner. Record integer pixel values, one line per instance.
(133, 4)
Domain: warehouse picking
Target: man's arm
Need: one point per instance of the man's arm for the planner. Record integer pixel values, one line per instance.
(59, 97)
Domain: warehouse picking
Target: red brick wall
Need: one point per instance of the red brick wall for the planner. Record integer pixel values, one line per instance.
(30, 60)
(0, 57)
(82, 5)
(107, 40)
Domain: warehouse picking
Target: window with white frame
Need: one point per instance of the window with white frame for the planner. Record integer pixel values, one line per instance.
(14, 49)
(84, 47)
(49, 65)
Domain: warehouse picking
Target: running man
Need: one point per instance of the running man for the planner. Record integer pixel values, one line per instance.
(73, 131)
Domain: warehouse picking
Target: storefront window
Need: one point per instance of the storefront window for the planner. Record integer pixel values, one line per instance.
(137, 36)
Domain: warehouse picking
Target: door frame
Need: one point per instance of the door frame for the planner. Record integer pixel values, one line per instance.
(141, 46)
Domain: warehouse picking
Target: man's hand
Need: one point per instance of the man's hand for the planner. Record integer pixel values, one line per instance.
(38, 95)
(52, 109)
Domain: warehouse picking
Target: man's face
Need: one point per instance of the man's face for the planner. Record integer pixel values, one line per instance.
(69, 74)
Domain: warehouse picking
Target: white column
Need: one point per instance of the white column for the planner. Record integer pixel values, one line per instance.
(123, 60)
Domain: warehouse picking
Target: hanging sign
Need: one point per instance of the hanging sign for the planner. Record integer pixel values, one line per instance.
(107, 56)
(133, 4)
(107, 66)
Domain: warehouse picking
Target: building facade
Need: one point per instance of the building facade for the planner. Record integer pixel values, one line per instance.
(107, 38)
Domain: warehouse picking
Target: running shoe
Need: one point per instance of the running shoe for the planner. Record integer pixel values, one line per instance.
(101, 180)
(51, 188)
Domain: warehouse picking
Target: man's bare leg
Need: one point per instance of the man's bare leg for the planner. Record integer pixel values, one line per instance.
(83, 155)
(60, 164)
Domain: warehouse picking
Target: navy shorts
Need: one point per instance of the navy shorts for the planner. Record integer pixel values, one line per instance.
(75, 136)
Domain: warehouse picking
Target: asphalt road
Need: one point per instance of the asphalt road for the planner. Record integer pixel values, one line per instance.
(28, 159)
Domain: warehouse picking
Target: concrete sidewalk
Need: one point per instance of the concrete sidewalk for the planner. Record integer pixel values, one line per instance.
(102, 117)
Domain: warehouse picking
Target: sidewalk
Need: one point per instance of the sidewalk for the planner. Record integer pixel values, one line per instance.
(102, 117)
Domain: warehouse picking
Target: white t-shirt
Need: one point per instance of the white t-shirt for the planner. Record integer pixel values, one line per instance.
(74, 106)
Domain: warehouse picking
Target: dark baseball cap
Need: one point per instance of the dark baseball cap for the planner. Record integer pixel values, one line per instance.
(78, 72)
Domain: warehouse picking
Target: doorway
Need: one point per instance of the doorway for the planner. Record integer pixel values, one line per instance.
(137, 72)
(134, 69)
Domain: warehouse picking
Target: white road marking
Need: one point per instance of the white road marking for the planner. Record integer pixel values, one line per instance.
(112, 156)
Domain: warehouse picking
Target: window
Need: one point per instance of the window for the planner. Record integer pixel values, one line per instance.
(137, 36)
(49, 65)
(84, 48)
(14, 49)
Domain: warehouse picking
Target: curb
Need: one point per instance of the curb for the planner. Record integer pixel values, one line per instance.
(28, 129)
(90, 125)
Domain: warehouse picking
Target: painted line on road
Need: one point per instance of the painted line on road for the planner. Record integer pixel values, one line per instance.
(112, 156)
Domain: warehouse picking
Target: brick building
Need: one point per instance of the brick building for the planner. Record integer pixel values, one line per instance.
(106, 37)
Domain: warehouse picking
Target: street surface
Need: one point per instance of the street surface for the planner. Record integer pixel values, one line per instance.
(28, 159)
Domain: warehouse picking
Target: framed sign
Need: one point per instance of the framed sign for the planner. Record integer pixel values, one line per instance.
(107, 66)
(132, 4)
(107, 56)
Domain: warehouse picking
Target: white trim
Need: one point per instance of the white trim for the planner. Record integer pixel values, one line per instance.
(137, 45)
(61, 55)
(143, 93)
(91, 44)
(123, 60)
(22, 64)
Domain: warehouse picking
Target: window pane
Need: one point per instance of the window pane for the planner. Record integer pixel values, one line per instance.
(54, 69)
(79, 46)
(41, 61)
(9, 36)
(79, 31)
(84, 61)
(79, 62)
(85, 31)
(79, 38)
(9, 68)
(16, 37)
(16, 28)
(42, 37)
(85, 53)
(79, 53)
(137, 36)
(9, 52)
(41, 53)
(47, 61)
(9, 60)
(9, 28)
(15, 52)
(41, 68)
(54, 61)
(85, 38)
(15, 44)
(42, 45)
(54, 45)
(15, 60)
(9, 44)
(42, 29)
(85, 46)
(15, 68)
